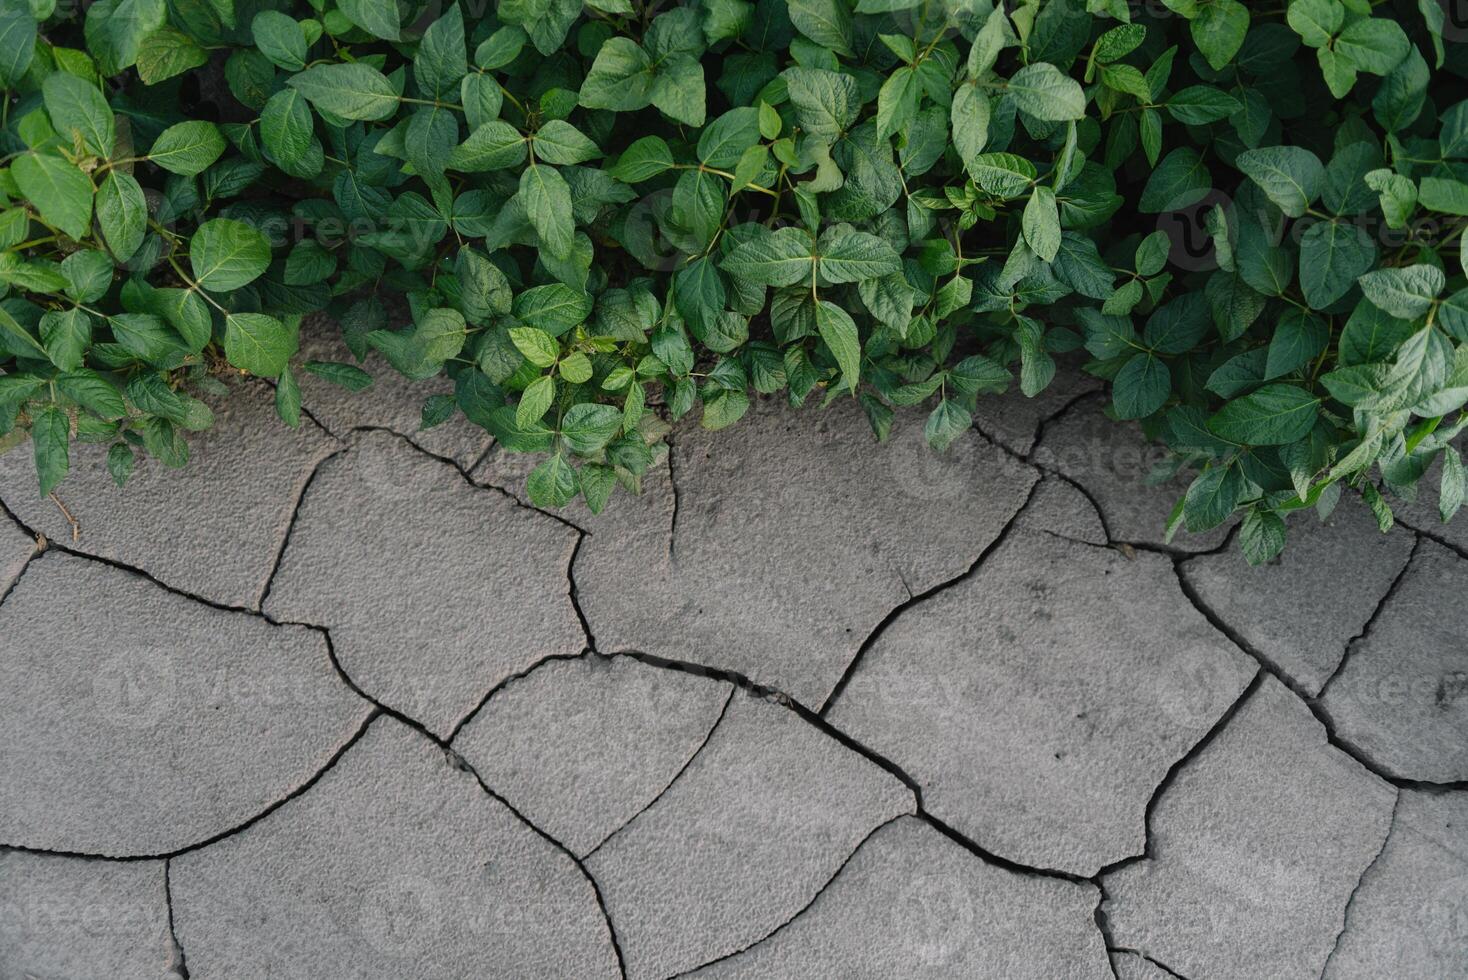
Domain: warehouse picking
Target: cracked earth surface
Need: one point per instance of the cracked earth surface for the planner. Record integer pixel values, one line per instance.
(338, 703)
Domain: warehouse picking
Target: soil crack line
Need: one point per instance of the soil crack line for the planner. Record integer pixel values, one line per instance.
(902, 607)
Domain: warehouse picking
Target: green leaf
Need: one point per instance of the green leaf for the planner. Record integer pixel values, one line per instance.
(723, 409)
(554, 308)
(1179, 181)
(120, 462)
(1271, 416)
(77, 108)
(377, 17)
(17, 41)
(537, 346)
(678, 90)
(226, 254)
(770, 123)
(1339, 75)
(122, 213)
(88, 273)
(751, 164)
(723, 141)
(1141, 386)
(826, 22)
(1079, 265)
(1199, 105)
(51, 440)
(1004, 175)
(547, 202)
(1261, 536)
(854, 256)
(1126, 80)
(576, 368)
(1119, 42)
(1332, 255)
(92, 392)
(826, 102)
(257, 343)
(620, 78)
(482, 99)
(553, 483)
(66, 335)
(167, 53)
(561, 143)
(186, 311)
(1152, 252)
(969, 118)
(308, 264)
(1043, 92)
(286, 129)
(1374, 45)
(1443, 195)
(1041, 223)
(495, 145)
(500, 48)
(353, 91)
(535, 400)
(946, 423)
(147, 337)
(1397, 194)
(839, 332)
(1316, 21)
(280, 38)
(1211, 497)
(61, 192)
(437, 409)
(484, 289)
(779, 258)
(1297, 341)
(1453, 484)
(698, 205)
(1291, 176)
(1406, 292)
(115, 30)
(347, 376)
(1219, 30)
(288, 399)
(897, 102)
(442, 59)
(643, 160)
(1177, 326)
(187, 148)
(588, 427)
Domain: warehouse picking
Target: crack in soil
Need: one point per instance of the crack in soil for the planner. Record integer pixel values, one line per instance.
(871, 638)
(1351, 899)
(677, 499)
(518, 675)
(814, 718)
(799, 912)
(1386, 597)
(728, 699)
(1171, 775)
(1143, 956)
(177, 961)
(305, 785)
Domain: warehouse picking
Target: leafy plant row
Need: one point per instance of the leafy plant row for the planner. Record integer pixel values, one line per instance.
(1249, 217)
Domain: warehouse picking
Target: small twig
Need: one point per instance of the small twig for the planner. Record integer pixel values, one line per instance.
(76, 525)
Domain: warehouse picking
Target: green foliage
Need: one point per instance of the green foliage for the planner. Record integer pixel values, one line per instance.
(899, 201)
